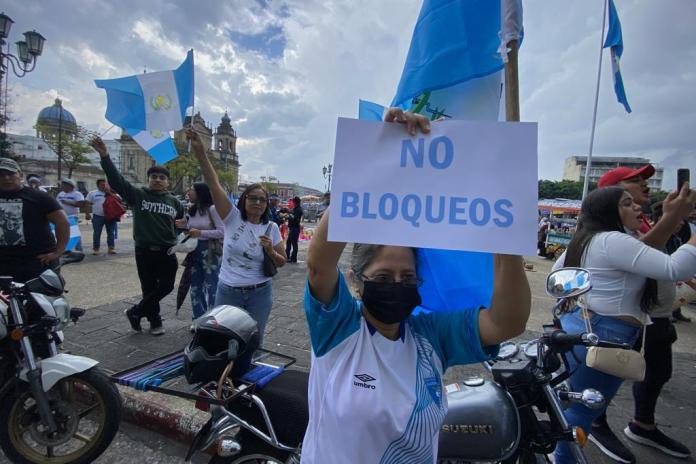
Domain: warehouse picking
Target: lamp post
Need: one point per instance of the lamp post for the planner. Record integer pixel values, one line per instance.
(28, 51)
(327, 174)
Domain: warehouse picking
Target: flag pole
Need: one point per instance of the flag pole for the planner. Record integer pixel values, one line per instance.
(193, 108)
(512, 87)
(586, 184)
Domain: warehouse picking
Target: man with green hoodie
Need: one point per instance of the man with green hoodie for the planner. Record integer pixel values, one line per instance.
(154, 213)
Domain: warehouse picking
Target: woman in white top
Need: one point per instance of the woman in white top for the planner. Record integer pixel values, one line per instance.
(248, 233)
(621, 294)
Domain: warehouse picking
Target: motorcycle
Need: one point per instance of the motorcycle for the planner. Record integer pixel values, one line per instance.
(516, 418)
(54, 407)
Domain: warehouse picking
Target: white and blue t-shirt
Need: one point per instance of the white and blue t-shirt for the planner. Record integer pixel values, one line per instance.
(375, 400)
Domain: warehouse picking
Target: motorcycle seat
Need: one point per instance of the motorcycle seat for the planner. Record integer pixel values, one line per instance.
(285, 399)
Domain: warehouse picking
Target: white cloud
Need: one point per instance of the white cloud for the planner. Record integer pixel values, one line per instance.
(285, 110)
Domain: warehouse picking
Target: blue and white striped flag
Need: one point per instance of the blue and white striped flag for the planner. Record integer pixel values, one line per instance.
(158, 144)
(75, 235)
(615, 41)
(154, 101)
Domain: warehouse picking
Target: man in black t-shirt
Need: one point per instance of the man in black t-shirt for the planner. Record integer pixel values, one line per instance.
(27, 245)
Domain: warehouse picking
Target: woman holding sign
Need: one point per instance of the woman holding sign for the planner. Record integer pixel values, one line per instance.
(375, 388)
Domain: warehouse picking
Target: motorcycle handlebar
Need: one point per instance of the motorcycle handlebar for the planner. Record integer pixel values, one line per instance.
(561, 338)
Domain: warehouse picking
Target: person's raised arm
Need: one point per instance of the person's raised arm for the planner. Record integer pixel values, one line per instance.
(322, 259)
(512, 300)
(223, 205)
(114, 177)
(676, 207)
(628, 254)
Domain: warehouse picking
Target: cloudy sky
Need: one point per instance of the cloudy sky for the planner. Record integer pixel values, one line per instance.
(285, 70)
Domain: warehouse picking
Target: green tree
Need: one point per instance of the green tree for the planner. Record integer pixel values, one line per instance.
(6, 147)
(185, 167)
(74, 146)
(658, 195)
(228, 179)
(6, 150)
(569, 189)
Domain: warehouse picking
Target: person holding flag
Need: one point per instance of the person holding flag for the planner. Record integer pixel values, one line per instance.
(155, 211)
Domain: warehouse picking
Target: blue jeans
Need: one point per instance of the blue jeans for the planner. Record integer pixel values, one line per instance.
(608, 329)
(98, 222)
(256, 302)
(204, 279)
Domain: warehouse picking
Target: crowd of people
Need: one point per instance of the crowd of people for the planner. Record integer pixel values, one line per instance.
(363, 321)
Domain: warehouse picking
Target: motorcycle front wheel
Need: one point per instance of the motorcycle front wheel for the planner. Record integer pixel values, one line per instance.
(86, 408)
(254, 451)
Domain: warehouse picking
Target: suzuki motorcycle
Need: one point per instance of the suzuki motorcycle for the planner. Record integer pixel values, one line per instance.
(516, 418)
(54, 407)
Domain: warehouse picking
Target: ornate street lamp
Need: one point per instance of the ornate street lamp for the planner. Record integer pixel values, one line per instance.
(326, 171)
(5, 25)
(35, 42)
(28, 51)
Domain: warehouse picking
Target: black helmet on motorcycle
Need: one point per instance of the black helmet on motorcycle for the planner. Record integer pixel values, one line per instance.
(224, 334)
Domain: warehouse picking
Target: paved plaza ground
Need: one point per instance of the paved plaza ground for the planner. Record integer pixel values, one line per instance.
(107, 285)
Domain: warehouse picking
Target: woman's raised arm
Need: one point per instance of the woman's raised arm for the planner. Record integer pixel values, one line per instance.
(223, 205)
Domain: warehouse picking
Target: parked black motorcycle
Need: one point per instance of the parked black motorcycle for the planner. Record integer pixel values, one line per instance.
(517, 418)
(54, 407)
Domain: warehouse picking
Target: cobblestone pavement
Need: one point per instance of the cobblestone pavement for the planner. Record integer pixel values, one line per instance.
(107, 285)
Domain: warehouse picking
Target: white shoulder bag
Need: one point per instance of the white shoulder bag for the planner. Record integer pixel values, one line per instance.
(623, 363)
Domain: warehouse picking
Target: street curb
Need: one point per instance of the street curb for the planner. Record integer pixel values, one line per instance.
(174, 418)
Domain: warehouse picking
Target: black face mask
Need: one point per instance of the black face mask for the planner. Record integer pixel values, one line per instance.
(390, 303)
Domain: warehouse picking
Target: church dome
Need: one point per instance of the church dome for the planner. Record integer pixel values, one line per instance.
(56, 116)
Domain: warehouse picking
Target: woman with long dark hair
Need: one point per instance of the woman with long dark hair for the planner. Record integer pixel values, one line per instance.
(623, 291)
(249, 234)
(203, 223)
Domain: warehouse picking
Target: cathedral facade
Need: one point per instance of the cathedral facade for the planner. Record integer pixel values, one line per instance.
(221, 145)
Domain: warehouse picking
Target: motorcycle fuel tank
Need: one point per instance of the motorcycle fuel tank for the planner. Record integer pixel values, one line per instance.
(482, 423)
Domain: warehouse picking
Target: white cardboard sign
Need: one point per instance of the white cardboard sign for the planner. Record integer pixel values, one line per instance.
(468, 185)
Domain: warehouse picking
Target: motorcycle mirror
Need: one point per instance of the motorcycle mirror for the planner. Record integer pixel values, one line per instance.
(568, 282)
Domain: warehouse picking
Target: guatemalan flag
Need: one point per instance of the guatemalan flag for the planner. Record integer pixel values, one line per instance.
(453, 70)
(148, 106)
(158, 144)
(615, 41)
(75, 235)
(151, 101)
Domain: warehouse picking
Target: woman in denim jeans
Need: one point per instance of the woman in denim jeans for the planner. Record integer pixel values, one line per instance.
(623, 289)
(248, 234)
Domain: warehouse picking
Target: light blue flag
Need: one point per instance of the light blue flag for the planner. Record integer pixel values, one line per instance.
(75, 235)
(453, 41)
(453, 70)
(153, 101)
(157, 143)
(369, 111)
(615, 41)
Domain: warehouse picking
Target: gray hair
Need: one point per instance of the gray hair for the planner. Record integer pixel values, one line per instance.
(362, 256)
(364, 253)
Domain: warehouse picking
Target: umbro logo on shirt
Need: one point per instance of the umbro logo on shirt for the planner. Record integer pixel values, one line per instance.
(364, 379)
